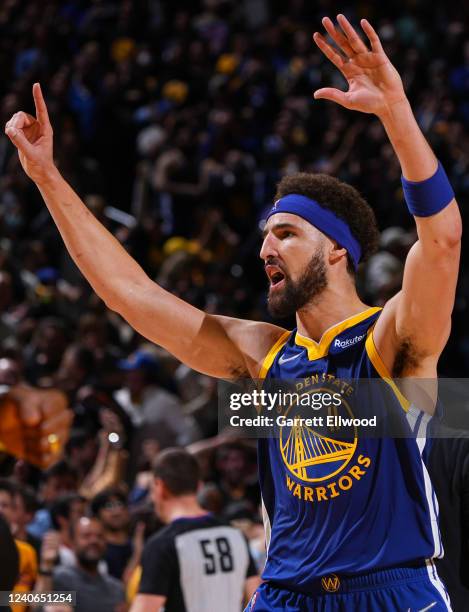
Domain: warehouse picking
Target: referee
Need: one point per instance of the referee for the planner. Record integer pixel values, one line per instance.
(196, 563)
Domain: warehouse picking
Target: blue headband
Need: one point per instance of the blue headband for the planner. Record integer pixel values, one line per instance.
(325, 220)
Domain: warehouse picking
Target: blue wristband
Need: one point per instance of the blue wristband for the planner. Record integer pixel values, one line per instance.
(426, 198)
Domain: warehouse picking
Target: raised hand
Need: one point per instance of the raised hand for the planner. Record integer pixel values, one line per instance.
(35, 424)
(33, 137)
(374, 84)
(50, 550)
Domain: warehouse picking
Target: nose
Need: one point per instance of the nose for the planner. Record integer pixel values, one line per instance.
(269, 247)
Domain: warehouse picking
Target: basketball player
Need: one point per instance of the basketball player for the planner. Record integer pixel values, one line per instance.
(363, 536)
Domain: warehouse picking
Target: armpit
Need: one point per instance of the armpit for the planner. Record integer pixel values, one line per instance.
(407, 359)
(237, 372)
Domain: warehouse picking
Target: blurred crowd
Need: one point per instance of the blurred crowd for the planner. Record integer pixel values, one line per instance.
(174, 121)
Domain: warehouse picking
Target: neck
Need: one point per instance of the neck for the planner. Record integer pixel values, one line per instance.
(182, 507)
(334, 305)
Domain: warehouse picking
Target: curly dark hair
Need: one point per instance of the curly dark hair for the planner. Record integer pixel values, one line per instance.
(343, 200)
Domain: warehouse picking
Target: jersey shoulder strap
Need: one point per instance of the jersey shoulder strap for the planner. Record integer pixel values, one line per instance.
(272, 354)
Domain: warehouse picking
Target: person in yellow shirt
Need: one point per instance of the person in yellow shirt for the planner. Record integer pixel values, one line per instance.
(27, 572)
(27, 558)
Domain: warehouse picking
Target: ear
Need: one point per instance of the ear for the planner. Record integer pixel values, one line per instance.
(336, 253)
(165, 492)
(160, 488)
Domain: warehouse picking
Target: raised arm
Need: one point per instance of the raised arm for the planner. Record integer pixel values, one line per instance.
(415, 324)
(218, 346)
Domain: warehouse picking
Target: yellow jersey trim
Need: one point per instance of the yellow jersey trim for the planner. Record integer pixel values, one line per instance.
(270, 357)
(382, 370)
(316, 350)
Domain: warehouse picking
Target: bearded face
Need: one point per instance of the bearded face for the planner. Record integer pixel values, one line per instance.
(287, 296)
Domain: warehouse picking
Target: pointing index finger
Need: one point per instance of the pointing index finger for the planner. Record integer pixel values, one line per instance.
(41, 109)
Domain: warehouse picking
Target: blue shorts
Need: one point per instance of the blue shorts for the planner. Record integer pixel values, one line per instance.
(394, 590)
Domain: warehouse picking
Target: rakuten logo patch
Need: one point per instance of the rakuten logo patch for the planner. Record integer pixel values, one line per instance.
(348, 342)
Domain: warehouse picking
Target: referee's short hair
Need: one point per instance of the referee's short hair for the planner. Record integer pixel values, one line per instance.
(179, 471)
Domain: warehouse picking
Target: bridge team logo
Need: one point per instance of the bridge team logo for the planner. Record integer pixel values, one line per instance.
(314, 456)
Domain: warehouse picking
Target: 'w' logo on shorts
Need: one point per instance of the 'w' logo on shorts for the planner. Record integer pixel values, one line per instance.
(330, 583)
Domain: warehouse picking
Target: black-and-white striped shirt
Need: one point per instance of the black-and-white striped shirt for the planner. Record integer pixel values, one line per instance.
(199, 564)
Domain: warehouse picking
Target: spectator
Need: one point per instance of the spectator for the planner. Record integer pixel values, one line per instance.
(59, 479)
(146, 402)
(76, 370)
(232, 495)
(110, 508)
(82, 450)
(144, 477)
(26, 553)
(94, 590)
(154, 411)
(9, 557)
(44, 353)
(109, 467)
(64, 511)
(25, 506)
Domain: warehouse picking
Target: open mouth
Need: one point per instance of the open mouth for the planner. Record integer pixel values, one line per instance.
(275, 275)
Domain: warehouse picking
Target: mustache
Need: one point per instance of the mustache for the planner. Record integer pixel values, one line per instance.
(273, 261)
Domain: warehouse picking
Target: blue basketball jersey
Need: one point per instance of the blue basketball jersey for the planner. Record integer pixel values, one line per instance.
(335, 507)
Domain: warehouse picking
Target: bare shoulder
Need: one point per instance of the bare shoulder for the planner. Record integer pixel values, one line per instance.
(254, 339)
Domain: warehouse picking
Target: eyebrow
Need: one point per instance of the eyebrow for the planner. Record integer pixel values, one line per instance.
(278, 226)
